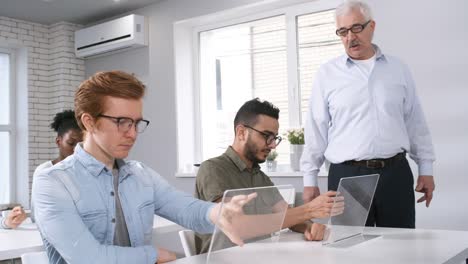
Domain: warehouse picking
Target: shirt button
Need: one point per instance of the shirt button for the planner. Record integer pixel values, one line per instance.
(113, 220)
(112, 193)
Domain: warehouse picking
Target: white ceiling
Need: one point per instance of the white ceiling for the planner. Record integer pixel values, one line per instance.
(73, 11)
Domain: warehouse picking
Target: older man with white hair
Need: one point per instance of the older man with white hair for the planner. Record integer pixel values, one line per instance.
(364, 116)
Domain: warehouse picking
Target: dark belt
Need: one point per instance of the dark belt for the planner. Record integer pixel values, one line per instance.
(376, 163)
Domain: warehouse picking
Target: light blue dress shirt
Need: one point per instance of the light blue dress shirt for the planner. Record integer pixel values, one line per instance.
(354, 116)
(75, 208)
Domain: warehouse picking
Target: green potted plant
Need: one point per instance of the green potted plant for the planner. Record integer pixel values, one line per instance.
(295, 136)
(296, 141)
(271, 160)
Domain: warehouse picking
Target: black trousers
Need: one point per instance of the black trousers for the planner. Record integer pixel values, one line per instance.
(393, 204)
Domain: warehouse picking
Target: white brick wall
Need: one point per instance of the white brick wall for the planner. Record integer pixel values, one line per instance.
(54, 73)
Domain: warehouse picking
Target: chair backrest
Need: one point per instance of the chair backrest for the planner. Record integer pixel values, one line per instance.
(187, 237)
(35, 258)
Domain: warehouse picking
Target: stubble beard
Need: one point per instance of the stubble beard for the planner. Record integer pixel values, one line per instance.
(251, 151)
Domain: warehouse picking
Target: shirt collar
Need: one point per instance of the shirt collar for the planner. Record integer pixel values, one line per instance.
(240, 164)
(378, 56)
(94, 166)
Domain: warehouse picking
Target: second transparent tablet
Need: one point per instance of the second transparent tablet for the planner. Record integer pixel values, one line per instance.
(358, 193)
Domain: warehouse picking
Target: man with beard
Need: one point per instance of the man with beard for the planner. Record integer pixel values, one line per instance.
(364, 115)
(256, 134)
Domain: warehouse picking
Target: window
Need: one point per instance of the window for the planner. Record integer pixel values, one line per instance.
(317, 43)
(272, 55)
(7, 130)
(238, 63)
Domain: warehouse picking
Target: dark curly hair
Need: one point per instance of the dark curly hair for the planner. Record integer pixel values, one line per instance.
(64, 121)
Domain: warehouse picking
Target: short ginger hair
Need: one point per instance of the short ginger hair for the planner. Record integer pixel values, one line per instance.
(89, 98)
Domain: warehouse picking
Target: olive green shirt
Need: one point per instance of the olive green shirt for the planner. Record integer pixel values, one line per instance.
(223, 173)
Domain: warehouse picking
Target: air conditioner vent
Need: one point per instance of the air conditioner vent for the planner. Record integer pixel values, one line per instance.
(125, 32)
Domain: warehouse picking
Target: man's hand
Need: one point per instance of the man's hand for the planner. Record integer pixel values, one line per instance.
(231, 211)
(425, 185)
(310, 192)
(314, 232)
(15, 217)
(165, 255)
(325, 205)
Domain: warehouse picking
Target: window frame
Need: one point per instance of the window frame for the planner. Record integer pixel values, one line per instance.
(11, 126)
(187, 70)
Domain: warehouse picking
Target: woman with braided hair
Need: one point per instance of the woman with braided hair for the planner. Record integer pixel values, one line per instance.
(68, 135)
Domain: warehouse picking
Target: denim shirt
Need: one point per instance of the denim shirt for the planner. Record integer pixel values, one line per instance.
(75, 210)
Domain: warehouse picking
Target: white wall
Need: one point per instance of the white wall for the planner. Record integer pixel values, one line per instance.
(431, 36)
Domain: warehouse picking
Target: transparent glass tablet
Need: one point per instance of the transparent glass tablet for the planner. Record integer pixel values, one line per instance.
(358, 193)
(248, 216)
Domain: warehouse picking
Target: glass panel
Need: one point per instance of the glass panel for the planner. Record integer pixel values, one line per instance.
(317, 43)
(238, 63)
(358, 193)
(4, 167)
(4, 89)
(259, 221)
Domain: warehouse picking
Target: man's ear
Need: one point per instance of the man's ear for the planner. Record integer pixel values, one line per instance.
(372, 25)
(88, 122)
(57, 140)
(241, 133)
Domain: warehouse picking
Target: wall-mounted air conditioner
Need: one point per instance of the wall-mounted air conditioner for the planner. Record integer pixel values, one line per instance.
(112, 36)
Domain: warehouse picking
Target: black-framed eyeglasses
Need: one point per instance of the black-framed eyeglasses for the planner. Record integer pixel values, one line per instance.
(269, 138)
(124, 124)
(356, 28)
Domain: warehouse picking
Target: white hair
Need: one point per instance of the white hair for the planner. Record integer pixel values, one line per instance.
(349, 5)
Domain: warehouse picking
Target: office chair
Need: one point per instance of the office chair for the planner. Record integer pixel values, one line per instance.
(35, 258)
(187, 237)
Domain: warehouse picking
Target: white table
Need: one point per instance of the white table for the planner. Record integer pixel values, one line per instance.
(392, 246)
(26, 238)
